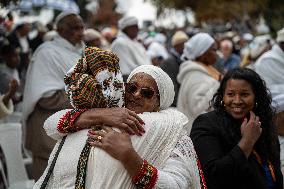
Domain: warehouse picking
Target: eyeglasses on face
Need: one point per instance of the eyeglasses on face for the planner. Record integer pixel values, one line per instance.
(145, 92)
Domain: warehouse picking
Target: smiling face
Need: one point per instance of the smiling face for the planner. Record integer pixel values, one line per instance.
(112, 87)
(141, 94)
(238, 98)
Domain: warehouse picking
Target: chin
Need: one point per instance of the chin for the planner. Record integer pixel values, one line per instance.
(238, 116)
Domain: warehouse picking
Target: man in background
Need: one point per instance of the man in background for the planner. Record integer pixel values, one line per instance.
(131, 53)
(171, 65)
(44, 92)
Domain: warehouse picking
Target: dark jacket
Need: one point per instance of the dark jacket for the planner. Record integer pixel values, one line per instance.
(223, 162)
(171, 67)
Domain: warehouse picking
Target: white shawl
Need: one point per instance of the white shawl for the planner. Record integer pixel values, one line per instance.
(130, 52)
(270, 66)
(46, 71)
(163, 129)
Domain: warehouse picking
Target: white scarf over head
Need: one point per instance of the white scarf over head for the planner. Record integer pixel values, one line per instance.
(127, 21)
(196, 46)
(164, 83)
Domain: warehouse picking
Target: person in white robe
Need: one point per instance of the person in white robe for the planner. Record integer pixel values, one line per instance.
(44, 89)
(198, 79)
(130, 52)
(270, 66)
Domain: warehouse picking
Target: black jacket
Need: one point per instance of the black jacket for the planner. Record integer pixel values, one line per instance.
(223, 162)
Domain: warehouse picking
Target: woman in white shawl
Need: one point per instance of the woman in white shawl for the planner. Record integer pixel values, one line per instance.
(169, 157)
(198, 78)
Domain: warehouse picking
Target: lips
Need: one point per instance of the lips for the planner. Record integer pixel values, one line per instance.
(237, 109)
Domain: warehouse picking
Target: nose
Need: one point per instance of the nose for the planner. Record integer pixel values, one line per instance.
(237, 99)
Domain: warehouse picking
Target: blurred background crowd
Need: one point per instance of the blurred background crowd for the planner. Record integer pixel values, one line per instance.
(158, 32)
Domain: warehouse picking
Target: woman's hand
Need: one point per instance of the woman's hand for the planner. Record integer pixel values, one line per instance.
(119, 146)
(251, 131)
(121, 118)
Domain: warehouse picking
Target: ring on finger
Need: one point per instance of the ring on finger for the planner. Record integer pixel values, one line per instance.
(99, 138)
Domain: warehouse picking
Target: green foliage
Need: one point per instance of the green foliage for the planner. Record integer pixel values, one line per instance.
(227, 10)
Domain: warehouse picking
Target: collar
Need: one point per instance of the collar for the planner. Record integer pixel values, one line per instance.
(66, 44)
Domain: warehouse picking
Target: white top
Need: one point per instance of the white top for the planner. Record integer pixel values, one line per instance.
(47, 69)
(131, 53)
(270, 66)
(179, 170)
(196, 90)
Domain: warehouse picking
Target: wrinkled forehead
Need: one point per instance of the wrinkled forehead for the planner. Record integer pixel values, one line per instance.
(144, 80)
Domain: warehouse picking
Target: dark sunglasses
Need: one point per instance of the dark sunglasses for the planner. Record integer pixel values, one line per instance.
(144, 91)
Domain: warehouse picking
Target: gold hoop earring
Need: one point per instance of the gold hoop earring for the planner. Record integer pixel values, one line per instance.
(222, 103)
(256, 104)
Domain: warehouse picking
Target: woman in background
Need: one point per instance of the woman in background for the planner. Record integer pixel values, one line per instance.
(237, 143)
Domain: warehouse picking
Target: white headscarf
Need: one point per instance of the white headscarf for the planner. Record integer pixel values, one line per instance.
(164, 83)
(196, 46)
(63, 15)
(127, 21)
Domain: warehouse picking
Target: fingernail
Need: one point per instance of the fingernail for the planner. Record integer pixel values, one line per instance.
(142, 122)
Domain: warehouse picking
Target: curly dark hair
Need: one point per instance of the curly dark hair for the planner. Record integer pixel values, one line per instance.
(267, 144)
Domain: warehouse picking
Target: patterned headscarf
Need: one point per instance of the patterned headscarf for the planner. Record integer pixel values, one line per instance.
(163, 81)
(95, 81)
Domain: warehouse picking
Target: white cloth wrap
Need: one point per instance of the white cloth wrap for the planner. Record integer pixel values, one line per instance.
(47, 69)
(164, 83)
(155, 146)
(127, 21)
(277, 93)
(196, 46)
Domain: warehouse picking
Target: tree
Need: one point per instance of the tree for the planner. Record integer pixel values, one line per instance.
(229, 10)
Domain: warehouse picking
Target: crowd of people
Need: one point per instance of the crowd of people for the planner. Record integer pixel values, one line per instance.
(140, 109)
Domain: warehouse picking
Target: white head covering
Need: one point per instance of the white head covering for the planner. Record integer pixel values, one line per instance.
(91, 34)
(63, 15)
(164, 83)
(127, 21)
(197, 45)
(179, 37)
(160, 38)
(280, 36)
(156, 50)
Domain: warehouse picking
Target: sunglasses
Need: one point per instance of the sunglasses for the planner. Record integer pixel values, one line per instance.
(145, 92)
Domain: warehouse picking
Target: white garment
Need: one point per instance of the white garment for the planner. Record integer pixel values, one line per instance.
(270, 66)
(24, 44)
(174, 157)
(196, 90)
(156, 49)
(47, 69)
(130, 52)
(277, 93)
